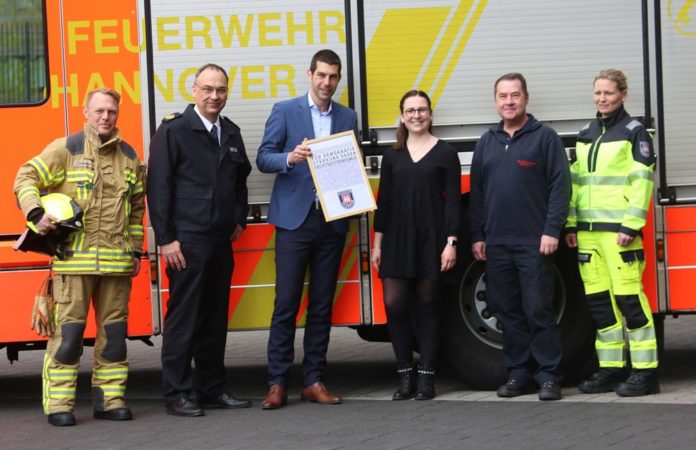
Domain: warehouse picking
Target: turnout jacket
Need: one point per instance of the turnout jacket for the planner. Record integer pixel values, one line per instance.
(612, 174)
(196, 187)
(520, 185)
(108, 182)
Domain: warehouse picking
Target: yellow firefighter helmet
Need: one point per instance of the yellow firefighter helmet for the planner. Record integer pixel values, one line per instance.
(69, 219)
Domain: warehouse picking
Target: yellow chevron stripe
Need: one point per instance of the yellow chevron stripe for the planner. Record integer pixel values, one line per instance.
(462, 11)
(401, 32)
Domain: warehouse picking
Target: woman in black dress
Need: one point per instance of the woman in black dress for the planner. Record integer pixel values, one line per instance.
(416, 226)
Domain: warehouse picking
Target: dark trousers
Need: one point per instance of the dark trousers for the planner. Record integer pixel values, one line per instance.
(195, 326)
(318, 245)
(520, 285)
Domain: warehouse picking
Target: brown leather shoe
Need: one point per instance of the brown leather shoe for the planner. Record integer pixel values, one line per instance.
(277, 397)
(319, 394)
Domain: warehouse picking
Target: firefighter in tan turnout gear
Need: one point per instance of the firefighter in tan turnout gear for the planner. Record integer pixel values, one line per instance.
(103, 174)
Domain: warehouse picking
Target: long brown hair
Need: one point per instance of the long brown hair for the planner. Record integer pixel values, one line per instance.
(402, 131)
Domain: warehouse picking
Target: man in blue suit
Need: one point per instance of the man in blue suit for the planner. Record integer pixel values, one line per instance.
(303, 237)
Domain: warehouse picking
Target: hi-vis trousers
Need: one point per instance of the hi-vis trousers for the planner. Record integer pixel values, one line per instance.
(613, 288)
(72, 294)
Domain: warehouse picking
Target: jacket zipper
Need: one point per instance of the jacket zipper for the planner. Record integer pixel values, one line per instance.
(592, 165)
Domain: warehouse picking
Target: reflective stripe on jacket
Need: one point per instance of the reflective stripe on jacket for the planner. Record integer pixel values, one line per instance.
(612, 175)
(108, 182)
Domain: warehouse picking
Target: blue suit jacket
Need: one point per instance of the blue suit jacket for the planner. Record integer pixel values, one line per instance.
(288, 125)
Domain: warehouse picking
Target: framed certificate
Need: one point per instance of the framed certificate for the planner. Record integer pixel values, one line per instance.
(339, 176)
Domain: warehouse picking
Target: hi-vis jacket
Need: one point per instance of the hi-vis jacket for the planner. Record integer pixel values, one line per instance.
(611, 171)
(108, 182)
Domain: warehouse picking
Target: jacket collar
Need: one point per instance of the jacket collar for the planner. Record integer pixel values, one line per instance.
(93, 136)
(608, 122)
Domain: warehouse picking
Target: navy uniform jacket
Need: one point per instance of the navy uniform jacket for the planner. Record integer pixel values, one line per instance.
(195, 191)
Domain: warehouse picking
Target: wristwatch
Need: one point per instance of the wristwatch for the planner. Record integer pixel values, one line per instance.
(452, 242)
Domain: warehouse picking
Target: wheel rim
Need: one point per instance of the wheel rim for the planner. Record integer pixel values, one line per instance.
(474, 310)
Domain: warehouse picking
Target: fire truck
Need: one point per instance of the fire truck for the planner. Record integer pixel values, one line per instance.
(55, 51)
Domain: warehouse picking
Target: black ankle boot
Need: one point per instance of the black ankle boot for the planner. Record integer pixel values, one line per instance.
(407, 383)
(426, 383)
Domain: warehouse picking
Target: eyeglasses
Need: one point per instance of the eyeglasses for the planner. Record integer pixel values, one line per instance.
(208, 90)
(412, 111)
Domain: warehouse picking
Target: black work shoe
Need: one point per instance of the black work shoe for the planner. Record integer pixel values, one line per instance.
(604, 380)
(114, 414)
(515, 388)
(225, 401)
(63, 419)
(425, 388)
(640, 383)
(407, 383)
(184, 407)
(550, 390)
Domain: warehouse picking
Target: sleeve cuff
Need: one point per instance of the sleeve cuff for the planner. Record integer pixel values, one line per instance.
(628, 231)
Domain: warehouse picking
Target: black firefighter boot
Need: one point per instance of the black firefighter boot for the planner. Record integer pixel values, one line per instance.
(426, 383)
(639, 383)
(604, 380)
(407, 383)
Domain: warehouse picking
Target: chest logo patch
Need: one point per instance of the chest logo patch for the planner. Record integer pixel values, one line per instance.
(524, 163)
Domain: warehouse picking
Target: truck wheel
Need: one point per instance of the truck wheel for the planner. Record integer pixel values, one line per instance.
(473, 337)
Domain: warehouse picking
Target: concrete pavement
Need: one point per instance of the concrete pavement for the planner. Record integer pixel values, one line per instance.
(363, 373)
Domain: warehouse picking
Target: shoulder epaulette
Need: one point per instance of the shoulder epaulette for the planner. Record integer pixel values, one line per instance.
(128, 150)
(170, 117)
(236, 127)
(633, 124)
(75, 143)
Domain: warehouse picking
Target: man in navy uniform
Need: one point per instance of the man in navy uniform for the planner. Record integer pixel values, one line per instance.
(198, 203)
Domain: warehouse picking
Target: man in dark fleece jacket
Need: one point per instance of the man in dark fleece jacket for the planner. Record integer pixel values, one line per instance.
(520, 191)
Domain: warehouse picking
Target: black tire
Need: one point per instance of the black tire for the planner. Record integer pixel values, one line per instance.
(473, 339)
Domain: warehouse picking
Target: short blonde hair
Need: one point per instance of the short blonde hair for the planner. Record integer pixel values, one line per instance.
(106, 91)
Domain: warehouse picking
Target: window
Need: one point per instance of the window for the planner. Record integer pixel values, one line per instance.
(23, 59)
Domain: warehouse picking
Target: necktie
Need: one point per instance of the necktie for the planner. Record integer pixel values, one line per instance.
(214, 134)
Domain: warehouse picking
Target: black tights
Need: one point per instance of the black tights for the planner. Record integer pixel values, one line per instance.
(406, 318)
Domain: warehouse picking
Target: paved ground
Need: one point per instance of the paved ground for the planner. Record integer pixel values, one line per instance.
(363, 373)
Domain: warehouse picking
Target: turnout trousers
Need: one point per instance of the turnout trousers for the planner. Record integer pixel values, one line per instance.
(612, 276)
(72, 294)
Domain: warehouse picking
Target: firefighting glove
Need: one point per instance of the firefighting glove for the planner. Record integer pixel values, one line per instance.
(42, 319)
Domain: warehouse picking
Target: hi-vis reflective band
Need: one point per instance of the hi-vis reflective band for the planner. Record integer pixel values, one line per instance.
(136, 230)
(119, 373)
(599, 180)
(47, 178)
(83, 182)
(136, 187)
(129, 176)
(29, 191)
(93, 252)
(616, 214)
(113, 390)
(78, 240)
(58, 384)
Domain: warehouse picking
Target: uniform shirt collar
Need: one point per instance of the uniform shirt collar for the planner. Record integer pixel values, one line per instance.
(208, 124)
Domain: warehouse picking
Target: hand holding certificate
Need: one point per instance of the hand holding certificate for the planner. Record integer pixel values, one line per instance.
(339, 176)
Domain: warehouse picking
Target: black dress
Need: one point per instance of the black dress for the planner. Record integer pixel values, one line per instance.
(418, 207)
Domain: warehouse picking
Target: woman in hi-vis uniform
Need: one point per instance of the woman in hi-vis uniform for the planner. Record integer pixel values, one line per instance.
(612, 174)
